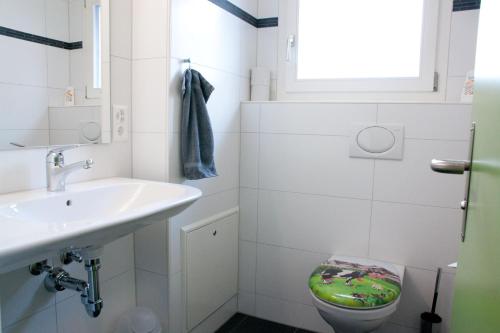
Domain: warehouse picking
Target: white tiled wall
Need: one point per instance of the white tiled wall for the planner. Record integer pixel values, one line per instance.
(150, 31)
(25, 304)
(222, 48)
(303, 198)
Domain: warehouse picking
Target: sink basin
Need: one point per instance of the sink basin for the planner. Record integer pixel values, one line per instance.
(37, 224)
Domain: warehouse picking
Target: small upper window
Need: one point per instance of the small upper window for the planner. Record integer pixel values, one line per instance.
(361, 45)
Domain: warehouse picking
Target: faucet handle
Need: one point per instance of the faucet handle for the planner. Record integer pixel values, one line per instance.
(89, 164)
(60, 149)
(55, 155)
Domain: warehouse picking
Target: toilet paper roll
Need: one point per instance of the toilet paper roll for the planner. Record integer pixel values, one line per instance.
(260, 92)
(261, 76)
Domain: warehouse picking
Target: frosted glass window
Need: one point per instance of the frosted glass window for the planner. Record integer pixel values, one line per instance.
(356, 39)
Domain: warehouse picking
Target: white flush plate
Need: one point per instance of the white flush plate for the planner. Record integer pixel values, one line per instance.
(378, 141)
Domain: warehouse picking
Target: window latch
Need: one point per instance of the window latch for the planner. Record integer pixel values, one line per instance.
(436, 82)
(289, 44)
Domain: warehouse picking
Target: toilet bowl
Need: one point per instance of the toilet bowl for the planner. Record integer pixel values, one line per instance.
(356, 295)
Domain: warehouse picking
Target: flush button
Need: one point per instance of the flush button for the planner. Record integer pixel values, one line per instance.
(376, 139)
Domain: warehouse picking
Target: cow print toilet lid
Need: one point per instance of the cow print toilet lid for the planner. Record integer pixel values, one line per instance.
(353, 285)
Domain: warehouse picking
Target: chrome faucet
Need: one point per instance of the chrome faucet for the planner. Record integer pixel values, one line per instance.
(57, 171)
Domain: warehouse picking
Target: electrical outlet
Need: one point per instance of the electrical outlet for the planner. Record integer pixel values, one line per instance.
(120, 123)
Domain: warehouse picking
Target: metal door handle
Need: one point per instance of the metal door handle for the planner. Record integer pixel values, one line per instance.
(456, 167)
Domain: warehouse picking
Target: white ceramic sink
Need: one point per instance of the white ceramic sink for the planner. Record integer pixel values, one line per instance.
(37, 224)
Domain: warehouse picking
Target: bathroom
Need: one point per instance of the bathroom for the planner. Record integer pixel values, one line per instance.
(303, 169)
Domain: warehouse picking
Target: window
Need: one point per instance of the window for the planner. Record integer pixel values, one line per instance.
(361, 45)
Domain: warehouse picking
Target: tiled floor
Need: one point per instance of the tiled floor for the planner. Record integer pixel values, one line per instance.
(241, 323)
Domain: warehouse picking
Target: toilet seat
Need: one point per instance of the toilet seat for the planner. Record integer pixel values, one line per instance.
(355, 314)
(355, 284)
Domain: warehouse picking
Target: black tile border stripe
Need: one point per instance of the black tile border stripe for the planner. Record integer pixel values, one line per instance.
(461, 5)
(236, 11)
(39, 39)
(247, 17)
(267, 22)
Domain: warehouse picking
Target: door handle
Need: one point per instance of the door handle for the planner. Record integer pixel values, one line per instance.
(459, 167)
(456, 167)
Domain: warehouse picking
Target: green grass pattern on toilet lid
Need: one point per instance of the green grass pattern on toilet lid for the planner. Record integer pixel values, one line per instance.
(355, 286)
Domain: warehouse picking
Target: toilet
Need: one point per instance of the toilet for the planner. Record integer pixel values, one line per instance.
(356, 295)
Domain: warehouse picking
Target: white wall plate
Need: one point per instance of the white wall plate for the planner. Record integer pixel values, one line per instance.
(378, 141)
(120, 123)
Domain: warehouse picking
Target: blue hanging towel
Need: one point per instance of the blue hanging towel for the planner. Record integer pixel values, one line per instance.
(197, 139)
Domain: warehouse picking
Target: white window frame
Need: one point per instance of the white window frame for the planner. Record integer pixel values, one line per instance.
(288, 59)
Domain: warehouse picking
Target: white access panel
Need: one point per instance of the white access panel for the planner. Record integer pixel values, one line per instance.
(211, 265)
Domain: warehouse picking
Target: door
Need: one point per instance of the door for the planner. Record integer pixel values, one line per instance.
(476, 307)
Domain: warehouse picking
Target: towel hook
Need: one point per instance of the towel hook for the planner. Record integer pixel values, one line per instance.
(187, 61)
